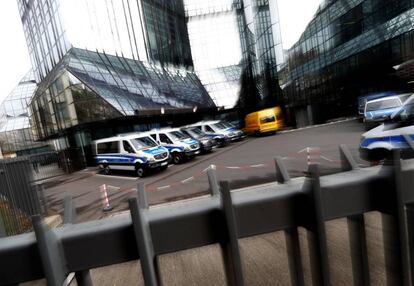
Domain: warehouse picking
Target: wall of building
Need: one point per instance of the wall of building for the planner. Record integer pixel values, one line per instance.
(348, 50)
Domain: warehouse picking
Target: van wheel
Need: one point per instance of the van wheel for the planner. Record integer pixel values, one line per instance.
(177, 158)
(106, 170)
(376, 155)
(140, 171)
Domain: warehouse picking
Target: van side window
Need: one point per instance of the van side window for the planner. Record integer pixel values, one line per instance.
(164, 139)
(108, 147)
(127, 147)
(209, 129)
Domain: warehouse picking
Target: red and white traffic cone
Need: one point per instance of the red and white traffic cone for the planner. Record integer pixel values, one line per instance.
(105, 200)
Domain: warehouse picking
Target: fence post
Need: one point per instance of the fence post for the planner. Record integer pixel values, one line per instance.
(69, 210)
(83, 277)
(139, 210)
(319, 228)
(41, 191)
(231, 250)
(347, 161)
(50, 253)
(356, 229)
(282, 175)
(212, 180)
(404, 240)
(291, 235)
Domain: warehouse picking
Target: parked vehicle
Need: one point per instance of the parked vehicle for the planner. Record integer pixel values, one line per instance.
(362, 100)
(206, 143)
(181, 146)
(379, 110)
(377, 143)
(217, 127)
(263, 121)
(134, 152)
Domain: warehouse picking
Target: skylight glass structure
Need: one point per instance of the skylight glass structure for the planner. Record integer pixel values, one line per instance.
(15, 133)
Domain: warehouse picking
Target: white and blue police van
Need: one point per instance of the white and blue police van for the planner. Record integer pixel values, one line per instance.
(377, 143)
(181, 146)
(217, 128)
(136, 152)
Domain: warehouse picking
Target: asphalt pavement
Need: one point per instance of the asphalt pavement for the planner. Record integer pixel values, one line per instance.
(244, 163)
(264, 257)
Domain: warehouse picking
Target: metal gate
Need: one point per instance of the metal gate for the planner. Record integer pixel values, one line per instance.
(18, 199)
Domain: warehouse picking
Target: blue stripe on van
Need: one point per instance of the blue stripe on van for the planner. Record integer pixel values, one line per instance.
(119, 158)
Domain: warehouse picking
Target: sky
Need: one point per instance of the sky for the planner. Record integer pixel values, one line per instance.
(15, 61)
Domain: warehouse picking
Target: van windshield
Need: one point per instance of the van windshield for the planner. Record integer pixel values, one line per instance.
(228, 125)
(143, 143)
(383, 104)
(220, 125)
(406, 112)
(196, 131)
(178, 135)
(268, 119)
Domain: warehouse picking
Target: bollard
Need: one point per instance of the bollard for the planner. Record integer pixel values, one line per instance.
(312, 155)
(105, 200)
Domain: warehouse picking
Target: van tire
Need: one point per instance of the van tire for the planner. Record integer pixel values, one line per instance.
(106, 170)
(177, 158)
(379, 154)
(140, 171)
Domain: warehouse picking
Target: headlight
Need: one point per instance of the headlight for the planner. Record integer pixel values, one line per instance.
(205, 142)
(187, 148)
(151, 159)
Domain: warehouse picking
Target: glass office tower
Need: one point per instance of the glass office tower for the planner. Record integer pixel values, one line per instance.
(350, 48)
(99, 60)
(236, 48)
(144, 30)
(16, 136)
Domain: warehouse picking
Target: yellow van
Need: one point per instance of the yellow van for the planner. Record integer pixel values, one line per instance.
(264, 121)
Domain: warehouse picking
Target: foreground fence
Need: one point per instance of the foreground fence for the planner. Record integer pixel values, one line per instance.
(21, 188)
(224, 218)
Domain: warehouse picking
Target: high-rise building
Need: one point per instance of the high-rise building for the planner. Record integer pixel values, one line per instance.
(237, 49)
(16, 137)
(107, 66)
(144, 30)
(350, 48)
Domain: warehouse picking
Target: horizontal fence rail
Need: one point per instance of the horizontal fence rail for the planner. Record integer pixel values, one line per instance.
(224, 218)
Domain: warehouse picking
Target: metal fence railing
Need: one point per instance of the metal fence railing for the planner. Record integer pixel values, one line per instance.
(21, 188)
(224, 218)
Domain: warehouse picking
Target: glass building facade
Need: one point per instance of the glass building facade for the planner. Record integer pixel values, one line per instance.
(88, 87)
(349, 49)
(237, 50)
(16, 136)
(145, 30)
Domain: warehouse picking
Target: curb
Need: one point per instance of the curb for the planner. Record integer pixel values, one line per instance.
(318, 125)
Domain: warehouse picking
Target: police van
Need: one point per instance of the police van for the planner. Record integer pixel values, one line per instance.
(181, 146)
(216, 127)
(377, 143)
(135, 152)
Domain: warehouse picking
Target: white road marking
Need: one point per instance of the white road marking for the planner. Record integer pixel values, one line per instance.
(257, 166)
(112, 187)
(234, 168)
(163, 188)
(187, 180)
(327, 159)
(117, 177)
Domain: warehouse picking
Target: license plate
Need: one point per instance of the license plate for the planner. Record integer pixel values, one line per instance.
(197, 152)
(164, 163)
